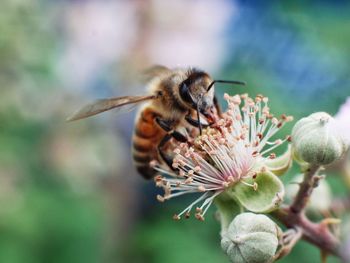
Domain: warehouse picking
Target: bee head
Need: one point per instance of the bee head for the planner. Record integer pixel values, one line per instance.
(195, 94)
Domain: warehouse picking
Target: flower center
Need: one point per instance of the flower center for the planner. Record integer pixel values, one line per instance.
(232, 150)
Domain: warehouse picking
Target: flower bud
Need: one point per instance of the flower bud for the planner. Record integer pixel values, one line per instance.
(316, 139)
(250, 238)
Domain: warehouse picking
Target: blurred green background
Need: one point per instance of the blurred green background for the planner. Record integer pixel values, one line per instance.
(68, 191)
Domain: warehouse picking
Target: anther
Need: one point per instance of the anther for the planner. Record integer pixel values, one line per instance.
(201, 188)
(274, 121)
(197, 169)
(153, 163)
(160, 198)
(188, 180)
(158, 178)
(199, 216)
(176, 217)
(244, 96)
(177, 151)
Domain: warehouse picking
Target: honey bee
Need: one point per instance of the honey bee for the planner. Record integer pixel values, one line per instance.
(177, 98)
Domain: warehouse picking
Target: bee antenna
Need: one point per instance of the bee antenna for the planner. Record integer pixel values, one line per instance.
(227, 82)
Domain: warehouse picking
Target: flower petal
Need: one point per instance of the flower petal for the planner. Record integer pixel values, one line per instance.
(303, 165)
(281, 164)
(267, 197)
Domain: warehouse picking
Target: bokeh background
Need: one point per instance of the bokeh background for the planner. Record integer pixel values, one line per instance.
(68, 191)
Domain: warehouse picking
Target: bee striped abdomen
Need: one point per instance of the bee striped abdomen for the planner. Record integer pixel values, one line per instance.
(147, 135)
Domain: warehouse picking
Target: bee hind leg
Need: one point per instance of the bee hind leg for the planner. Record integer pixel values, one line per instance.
(165, 157)
(168, 159)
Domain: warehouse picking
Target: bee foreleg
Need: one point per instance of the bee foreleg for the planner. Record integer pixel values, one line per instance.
(217, 106)
(194, 122)
(167, 126)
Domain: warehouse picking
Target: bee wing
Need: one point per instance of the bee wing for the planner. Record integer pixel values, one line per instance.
(107, 104)
(155, 71)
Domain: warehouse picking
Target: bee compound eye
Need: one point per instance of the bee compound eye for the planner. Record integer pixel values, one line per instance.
(185, 93)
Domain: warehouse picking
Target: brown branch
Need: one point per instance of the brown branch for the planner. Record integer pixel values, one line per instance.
(306, 187)
(293, 216)
(317, 234)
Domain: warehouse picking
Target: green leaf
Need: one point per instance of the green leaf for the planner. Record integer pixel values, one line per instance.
(267, 197)
(281, 164)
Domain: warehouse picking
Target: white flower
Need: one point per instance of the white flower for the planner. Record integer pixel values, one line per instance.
(230, 153)
(342, 119)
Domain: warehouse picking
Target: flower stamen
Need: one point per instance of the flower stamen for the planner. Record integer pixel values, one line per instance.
(230, 152)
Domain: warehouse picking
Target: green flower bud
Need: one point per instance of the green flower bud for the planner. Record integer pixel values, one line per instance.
(250, 238)
(316, 140)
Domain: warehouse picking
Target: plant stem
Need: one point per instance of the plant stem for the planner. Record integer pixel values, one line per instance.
(306, 187)
(317, 234)
(293, 216)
